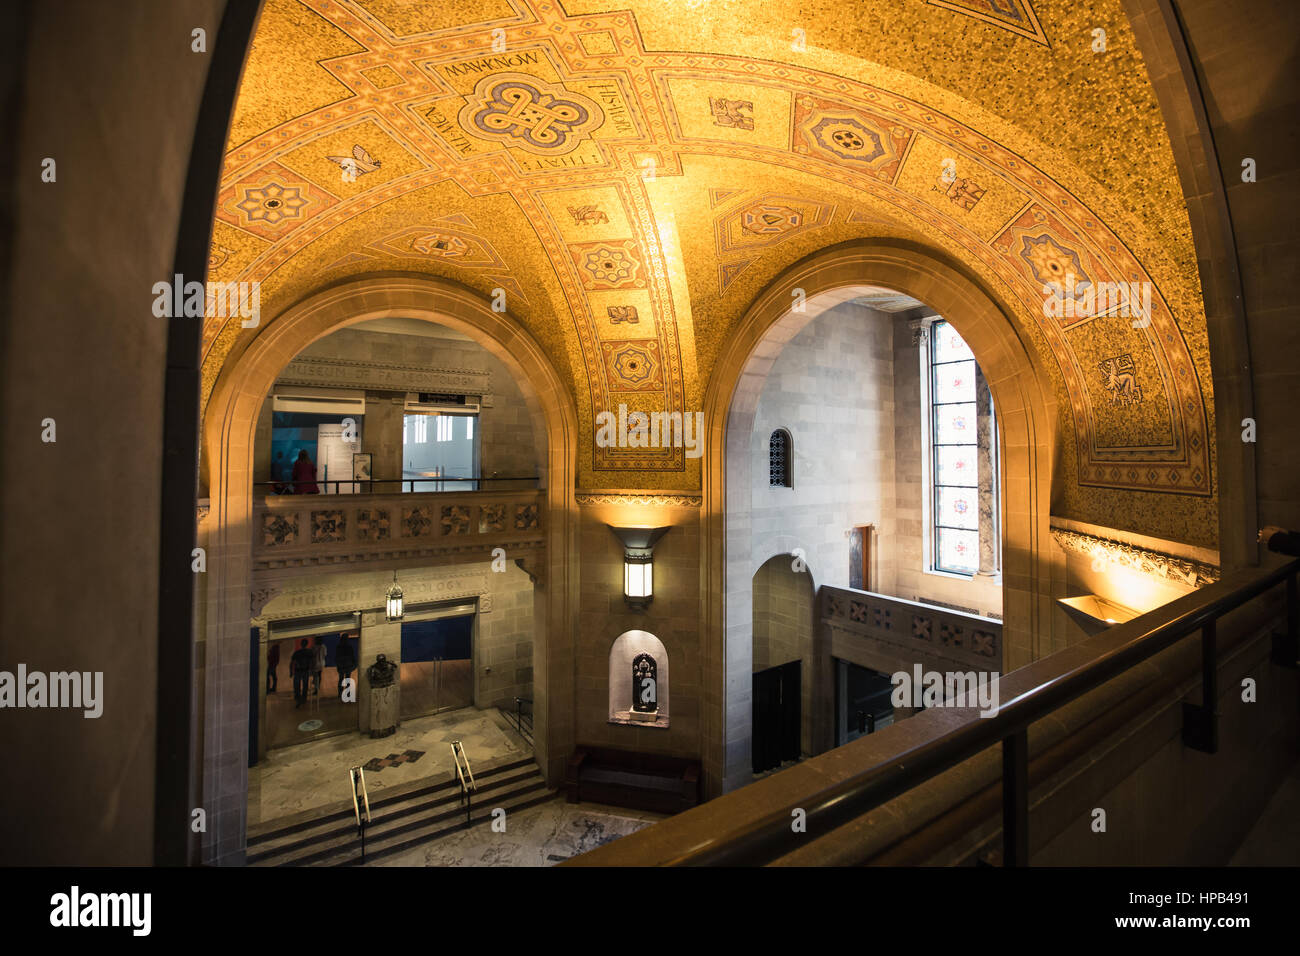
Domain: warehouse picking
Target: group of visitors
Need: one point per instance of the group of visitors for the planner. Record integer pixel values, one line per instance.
(298, 480)
(307, 667)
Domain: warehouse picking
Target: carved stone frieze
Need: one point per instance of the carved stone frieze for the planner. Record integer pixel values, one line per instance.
(352, 373)
(1157, 564)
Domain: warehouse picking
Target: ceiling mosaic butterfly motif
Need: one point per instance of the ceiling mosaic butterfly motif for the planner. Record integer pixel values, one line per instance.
(631, 180)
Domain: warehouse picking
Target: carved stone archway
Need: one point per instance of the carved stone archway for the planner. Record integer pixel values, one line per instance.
(1026, 410)
(228, 430)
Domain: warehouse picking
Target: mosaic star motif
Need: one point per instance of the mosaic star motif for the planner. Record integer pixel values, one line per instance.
(271, 203)
(632, 365)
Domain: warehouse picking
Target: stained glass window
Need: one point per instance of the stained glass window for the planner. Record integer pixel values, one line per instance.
(778, 458)
(954, 443)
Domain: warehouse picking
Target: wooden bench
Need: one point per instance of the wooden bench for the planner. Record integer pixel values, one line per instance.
(625, 778)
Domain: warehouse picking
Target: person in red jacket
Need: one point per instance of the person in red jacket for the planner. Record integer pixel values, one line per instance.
(304, 475)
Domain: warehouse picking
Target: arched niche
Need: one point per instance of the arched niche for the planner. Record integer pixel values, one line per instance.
(228, 431)
(1026, 412)
(623, 653)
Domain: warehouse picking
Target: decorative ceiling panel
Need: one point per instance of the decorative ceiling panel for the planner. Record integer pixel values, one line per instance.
(630, 178)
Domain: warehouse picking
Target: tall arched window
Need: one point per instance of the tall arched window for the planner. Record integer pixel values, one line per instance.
(780, 453)
(961, 454)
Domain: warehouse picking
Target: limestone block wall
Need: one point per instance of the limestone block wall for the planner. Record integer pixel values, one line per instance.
(505, 640)
(832, 389)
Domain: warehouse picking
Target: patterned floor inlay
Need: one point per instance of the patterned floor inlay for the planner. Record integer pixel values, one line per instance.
(376, 764)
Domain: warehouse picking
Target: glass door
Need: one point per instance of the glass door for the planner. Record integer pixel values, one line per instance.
(437, 665)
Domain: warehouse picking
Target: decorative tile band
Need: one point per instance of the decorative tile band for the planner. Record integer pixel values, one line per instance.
(661, 501)
(1155, 564)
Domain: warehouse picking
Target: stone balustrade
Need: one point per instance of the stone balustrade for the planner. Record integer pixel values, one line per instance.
(292, 531)
(912, 631)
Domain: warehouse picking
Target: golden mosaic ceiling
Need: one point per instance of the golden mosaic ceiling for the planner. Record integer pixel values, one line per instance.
(630, 175)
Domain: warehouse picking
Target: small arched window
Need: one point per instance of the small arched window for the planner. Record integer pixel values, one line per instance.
(780, 453)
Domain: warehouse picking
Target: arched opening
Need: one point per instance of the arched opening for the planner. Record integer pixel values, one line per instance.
(789, 703)
(229, 430)
(1025, 418)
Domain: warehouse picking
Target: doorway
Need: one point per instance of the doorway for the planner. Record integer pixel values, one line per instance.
(863, 703)
(437, 670)
(777, 715)
(324, 712)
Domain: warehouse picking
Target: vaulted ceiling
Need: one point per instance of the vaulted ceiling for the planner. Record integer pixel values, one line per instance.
(631, 174)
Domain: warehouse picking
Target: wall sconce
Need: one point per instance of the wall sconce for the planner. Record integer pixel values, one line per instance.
(1094, 614)
(638, 563)
(393, 604)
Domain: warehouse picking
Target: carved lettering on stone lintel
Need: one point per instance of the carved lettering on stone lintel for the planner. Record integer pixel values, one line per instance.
(351, 373)
(328, 599)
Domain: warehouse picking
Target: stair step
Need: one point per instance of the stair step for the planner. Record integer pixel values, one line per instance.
(385, 799)
(393, 817)
(407, 820)
(481, 816)
(348, 853)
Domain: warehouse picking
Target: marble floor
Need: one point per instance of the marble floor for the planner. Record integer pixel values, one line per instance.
(543, 835)
(314, 775)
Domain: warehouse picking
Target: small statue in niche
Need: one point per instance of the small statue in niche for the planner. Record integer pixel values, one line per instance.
(645, 684)
(382, 672)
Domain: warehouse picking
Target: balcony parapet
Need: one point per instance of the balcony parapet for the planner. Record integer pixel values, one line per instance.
(295, 531)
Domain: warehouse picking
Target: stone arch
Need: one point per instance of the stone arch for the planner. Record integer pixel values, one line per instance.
(816, 730)
(228, 430)
(1026, 410)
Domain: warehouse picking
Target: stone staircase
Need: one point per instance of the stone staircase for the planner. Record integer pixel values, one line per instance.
(401, 819)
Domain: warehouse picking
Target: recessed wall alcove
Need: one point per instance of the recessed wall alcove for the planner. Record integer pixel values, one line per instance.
(623, 654)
